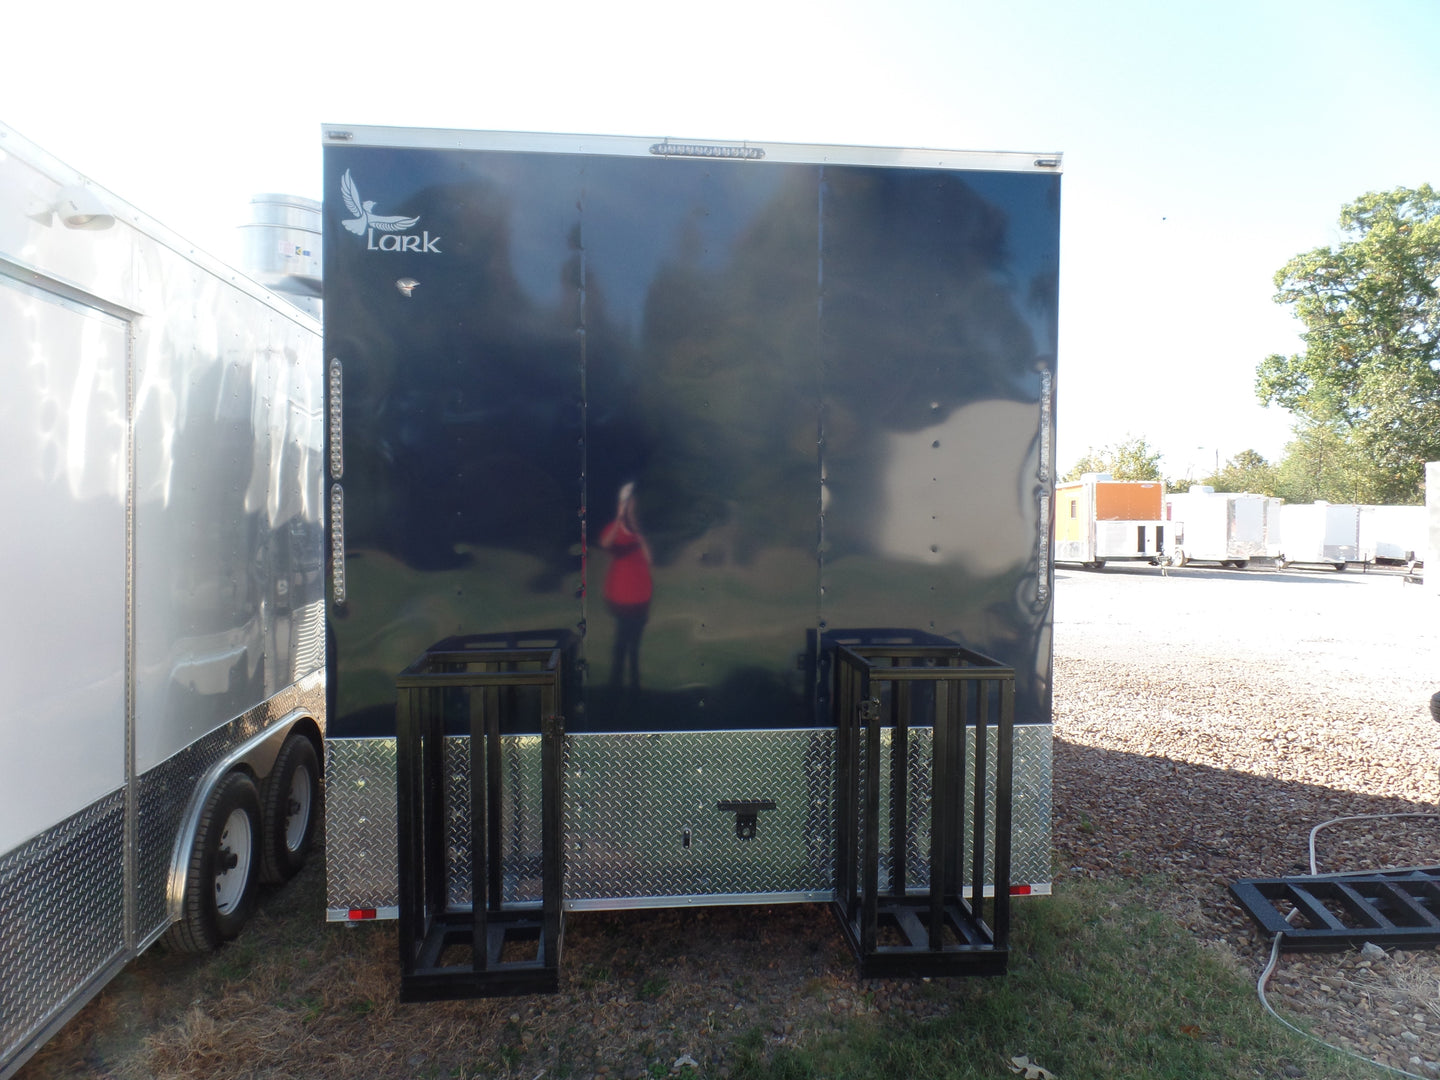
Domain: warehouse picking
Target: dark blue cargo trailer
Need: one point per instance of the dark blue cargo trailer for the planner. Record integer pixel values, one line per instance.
(690, 537)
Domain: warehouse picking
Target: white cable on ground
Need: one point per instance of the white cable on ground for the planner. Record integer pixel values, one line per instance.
(1260, 987)
(1356, 817)
(1275, 952)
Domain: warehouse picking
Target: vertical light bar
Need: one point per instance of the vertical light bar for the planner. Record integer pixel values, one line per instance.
(337, 413)
(337, 543)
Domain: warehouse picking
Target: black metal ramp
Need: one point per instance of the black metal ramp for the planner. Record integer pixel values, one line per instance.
(1394, 908)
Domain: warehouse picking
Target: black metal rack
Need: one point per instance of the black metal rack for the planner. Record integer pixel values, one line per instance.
(890, 695)
(488, 947)
(1396, 908)
(931, 929)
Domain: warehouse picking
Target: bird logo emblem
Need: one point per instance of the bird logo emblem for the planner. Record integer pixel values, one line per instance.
(364, 217)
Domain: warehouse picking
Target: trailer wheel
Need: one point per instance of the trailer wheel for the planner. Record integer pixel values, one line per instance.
(220, 880)
(1178, 557)
(1240, 564)
(291, 796)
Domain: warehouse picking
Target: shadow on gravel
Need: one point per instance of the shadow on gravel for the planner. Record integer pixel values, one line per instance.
(1125, 815)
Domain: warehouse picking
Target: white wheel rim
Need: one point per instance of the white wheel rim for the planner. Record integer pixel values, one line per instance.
(297, 810)
(236, 841)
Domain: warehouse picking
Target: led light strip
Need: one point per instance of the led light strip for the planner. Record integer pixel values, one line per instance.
(337, 454)
(337, 542)
(669, 149)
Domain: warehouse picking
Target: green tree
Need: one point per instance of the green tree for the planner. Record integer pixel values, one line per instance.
(1246, 471)
(1322, 463)
(1370, 370)
(1133, 458)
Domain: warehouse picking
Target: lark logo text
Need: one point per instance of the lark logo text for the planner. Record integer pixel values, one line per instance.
(383, 232)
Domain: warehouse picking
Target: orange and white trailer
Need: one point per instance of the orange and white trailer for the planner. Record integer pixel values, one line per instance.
(1099, 519)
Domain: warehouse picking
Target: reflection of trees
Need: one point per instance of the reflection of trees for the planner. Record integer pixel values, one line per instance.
(908, 309)
(463, 413)
(907, 313)
(793, 302)
(731, 391)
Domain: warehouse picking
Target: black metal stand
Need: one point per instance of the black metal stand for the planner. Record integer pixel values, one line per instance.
(927, 929)
(1392, 908)
(489, 947)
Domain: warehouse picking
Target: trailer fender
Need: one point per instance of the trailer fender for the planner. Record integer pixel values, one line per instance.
(255, 756)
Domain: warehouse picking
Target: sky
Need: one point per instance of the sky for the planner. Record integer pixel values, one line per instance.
(1204, 144)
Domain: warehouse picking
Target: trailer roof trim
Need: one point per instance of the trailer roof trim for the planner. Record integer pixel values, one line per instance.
(537, 142)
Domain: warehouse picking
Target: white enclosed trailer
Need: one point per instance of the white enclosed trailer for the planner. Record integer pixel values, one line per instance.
(1319, 534)
(161, 571)
(1392, 534)
(1229, 528)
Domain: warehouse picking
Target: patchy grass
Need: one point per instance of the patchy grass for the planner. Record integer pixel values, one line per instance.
(1099, 986)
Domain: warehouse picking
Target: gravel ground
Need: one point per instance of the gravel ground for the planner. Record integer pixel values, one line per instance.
(1207, 720)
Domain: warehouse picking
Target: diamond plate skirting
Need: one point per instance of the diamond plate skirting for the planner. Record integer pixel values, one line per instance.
(641, 825)
(641, 817)
(519, 818)
(1030, 807)
(62, 897)
(360, 828)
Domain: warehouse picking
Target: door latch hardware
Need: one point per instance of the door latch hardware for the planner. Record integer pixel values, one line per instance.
(746, 814)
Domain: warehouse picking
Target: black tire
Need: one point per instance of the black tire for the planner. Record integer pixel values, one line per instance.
(1240, 564)
(291, 801)
(221, 877)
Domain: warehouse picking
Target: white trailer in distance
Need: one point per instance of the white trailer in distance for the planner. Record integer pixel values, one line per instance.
(1229, 528)
(1394, 535)
(1319, 534)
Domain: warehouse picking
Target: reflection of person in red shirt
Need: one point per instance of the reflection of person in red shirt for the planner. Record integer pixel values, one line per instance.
(628, 588)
